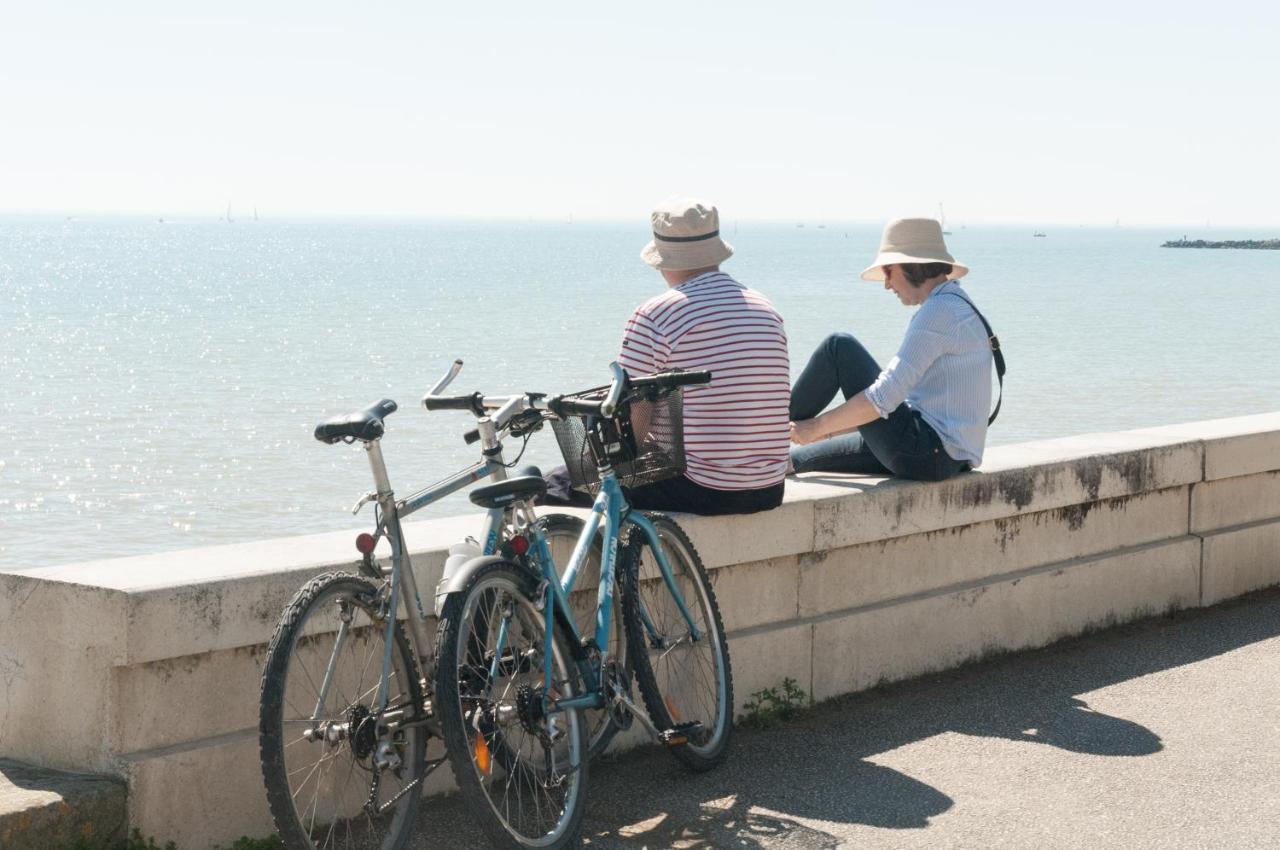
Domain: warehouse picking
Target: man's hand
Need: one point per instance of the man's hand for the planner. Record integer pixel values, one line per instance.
(806, 432)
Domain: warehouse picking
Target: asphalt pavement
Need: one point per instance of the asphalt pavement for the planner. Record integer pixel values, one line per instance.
(1161, 734)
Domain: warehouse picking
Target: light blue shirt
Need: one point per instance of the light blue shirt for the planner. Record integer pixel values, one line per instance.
(943, 370)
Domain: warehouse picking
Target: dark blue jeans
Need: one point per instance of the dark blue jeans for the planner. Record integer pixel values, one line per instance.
(903, 445)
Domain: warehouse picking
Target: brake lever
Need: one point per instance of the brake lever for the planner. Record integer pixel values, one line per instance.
(610, 404)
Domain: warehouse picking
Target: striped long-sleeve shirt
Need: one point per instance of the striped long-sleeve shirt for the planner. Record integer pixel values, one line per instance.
(943, 370)
(736, 429)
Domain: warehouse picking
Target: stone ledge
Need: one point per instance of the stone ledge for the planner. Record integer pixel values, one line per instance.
(42, 809)
(1237, 446)
(220, 597)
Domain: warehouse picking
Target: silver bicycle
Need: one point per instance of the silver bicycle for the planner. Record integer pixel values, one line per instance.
(346, 711)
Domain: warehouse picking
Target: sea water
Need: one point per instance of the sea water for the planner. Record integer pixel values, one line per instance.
(161, 380)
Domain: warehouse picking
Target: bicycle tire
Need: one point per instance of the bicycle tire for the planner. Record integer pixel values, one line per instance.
(678, 685)
(601, 723)
(494, 741)
(342, 776)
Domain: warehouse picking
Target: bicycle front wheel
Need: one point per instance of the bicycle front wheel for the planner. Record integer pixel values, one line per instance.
(681, 663)
(521, 768)
(339, 770)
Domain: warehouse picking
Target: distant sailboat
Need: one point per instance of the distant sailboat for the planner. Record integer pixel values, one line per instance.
(1037, 233)
(942, 220)
(229, 219)
(255, 213)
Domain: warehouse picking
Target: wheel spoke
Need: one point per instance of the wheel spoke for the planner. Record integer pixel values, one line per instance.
(317, 789)
(519, 797)
(684, 679)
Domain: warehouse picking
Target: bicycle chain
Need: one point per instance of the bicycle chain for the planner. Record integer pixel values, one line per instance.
(372, 806)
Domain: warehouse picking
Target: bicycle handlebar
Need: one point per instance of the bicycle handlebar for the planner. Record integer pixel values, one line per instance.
(623, 387)
(671, 380)
(510, 407)
(615, 390)
(447, 379)
(473, 402)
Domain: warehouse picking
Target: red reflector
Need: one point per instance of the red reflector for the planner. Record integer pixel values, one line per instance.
(365, 543)
(519, 544)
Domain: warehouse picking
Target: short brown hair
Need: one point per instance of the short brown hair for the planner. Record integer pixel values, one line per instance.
(918, 273)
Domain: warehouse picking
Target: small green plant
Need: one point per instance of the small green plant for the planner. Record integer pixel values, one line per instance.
(769, 706)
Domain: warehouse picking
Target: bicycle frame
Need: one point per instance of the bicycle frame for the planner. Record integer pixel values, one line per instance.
(610, 509)
(392, 512)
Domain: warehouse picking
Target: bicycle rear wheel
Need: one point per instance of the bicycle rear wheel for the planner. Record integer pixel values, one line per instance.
(563, 531)
(684, 677)
(338, 772)
(524, 772)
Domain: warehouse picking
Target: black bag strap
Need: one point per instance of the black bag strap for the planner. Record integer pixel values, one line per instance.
(995, 351)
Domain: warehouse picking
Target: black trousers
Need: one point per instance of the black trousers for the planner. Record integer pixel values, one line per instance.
(673, 494)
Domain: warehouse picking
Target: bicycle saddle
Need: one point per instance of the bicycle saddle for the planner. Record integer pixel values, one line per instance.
(505, 492)
(362, 425)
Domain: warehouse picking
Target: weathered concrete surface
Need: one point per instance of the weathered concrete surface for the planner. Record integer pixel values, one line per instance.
(1160, 734)
(852, 582)
(41, 809)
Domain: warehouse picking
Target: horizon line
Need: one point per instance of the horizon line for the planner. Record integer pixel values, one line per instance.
(569, 220)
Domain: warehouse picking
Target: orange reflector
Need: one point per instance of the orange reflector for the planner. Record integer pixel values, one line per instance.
(481, 750)
(672, 710)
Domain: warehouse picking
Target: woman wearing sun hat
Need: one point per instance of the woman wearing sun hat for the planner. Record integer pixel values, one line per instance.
(923, 416)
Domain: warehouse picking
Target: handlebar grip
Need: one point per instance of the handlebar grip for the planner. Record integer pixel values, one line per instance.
(473, 402)
(670, 380)
(574, 407)
(472, 436)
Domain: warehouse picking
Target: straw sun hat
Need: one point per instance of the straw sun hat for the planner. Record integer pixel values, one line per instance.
(686, 235)
(913, 240)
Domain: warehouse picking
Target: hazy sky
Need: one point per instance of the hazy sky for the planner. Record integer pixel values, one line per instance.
(1161, 113)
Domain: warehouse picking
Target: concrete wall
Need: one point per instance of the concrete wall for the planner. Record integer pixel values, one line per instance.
(148, 667)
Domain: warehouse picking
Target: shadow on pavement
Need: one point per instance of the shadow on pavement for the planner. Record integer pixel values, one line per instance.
(817, 767)
(779, 785)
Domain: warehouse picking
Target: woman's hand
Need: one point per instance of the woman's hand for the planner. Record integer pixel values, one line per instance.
(805, 432)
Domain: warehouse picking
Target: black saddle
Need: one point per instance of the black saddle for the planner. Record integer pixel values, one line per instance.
(362, 425)
(517, 489)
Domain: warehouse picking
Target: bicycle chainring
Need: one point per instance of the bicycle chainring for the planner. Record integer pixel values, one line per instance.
(618, 684)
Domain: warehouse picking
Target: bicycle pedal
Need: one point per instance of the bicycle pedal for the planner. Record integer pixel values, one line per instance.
(679, 734)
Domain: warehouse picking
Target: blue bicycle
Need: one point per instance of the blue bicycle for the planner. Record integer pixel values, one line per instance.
(515, 680)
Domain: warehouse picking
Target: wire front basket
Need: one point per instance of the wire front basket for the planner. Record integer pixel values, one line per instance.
(643, 442)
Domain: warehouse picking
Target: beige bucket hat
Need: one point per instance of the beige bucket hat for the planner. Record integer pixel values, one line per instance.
(913, 240)
(686, 235)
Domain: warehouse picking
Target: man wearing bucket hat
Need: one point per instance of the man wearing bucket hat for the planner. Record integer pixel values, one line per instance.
(923, 416)
(736, 428)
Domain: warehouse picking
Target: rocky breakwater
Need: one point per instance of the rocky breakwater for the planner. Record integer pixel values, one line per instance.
(1260, 244)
